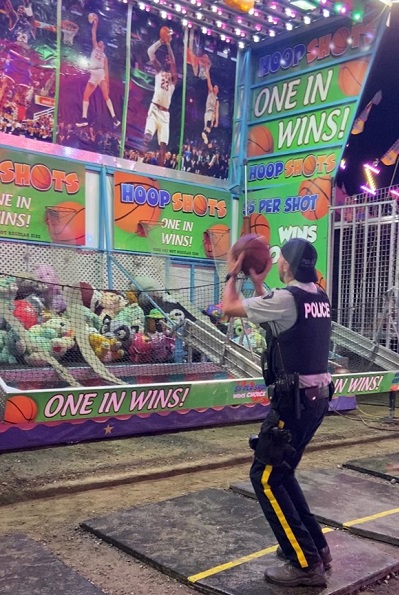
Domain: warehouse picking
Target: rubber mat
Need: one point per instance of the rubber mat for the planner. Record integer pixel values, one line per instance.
(386, 466)
(219, 542)
(348, 500)
(28, 568)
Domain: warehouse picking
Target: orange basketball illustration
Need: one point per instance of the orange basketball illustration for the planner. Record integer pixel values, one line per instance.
(20, 410)
(200, 205)
(321, 280)
(127, 215)
(41, 177)
(351, 76)
(259, 225)
(340, 41)
(260, 141)
(309, 165)
(322, 187)
(66, 223)
(216, 241)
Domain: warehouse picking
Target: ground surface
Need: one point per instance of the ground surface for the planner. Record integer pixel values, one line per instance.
(141, 470)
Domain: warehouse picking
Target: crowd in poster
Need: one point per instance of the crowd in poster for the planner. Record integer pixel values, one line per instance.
(28, 68)
(177, 109)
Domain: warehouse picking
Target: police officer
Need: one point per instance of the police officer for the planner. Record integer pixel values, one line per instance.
(297, 319)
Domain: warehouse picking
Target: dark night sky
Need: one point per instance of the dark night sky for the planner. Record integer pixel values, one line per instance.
(382, 127)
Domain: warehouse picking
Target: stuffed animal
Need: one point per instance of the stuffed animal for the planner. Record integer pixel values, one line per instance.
(106, 349)
(112, 329)
(140, 351)
(54, 338)
(111, 303)
(248, 335)
(53, 299)
(5, 355)
(131, 315)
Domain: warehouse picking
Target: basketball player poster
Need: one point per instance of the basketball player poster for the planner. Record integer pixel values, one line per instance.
(304, 97)
(155, 97)
(28, 67)
(158, 216)
(42, 199)
(92, 75)
(209, 105)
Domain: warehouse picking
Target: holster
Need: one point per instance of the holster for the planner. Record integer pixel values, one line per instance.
(273, 444)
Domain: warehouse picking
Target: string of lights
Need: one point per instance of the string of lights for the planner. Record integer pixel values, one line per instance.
(247, 26)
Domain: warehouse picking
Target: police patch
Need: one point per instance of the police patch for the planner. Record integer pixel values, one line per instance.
(268, 295)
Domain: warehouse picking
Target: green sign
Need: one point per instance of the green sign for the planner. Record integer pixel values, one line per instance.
(41, 198)
(162, 217)
(303, 100)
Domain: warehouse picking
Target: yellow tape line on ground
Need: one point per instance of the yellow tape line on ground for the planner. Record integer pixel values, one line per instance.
(201, 575)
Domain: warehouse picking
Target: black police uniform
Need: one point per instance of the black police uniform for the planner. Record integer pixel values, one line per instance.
(302, 349)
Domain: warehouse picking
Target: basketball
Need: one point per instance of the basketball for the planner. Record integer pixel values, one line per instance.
(340, 41)
(216, 241)
(200, 205)
(321, 280)
(92, 17)
(322, 187)
(20, 410)
(309, 165)
(258, 225)
(256, 250)
(260, 141)
(165, 34)
(351, 76)
(40, 177)
(127, 215)
(66, 223)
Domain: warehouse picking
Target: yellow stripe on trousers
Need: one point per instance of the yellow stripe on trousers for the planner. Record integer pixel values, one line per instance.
(280, 515)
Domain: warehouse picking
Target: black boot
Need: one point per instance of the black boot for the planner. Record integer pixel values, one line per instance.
(291, 576)
(324, 554)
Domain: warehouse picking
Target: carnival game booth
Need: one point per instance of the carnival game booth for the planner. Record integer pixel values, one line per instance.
(115, 239)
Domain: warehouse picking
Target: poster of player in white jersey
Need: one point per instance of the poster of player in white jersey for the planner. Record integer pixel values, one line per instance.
(92, 79)
(209, 105)
(155, 100)
(28, 67)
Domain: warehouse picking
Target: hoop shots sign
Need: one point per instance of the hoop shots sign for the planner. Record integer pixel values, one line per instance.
(162, 217)
(41, 200)
(304, 97)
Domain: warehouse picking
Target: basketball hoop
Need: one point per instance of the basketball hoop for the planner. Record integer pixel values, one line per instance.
(69, 30)
(144, 228)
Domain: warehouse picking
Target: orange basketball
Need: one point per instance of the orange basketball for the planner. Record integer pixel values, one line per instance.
(200, 205)
(309, 165)
(351, 76)
(216, 241)
(165, 34)
(258, 225)
(260, 141)
(128, 215)
(20, 410)
(256, 253)
(321, 280)
(66, 223)
(41, 177)
(322, 187)
(340, 41)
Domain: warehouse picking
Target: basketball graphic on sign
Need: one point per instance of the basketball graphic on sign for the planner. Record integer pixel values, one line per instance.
(216, 241)
(20, 409)
(66, 223)
(322, 188)
(351, 76)
(260, 141)
(258, 225)
(127, 215)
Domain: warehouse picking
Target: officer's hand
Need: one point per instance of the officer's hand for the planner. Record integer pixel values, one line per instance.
(258, 278)
(234, 265)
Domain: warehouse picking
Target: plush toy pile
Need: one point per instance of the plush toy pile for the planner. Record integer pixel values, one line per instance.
(35, 324)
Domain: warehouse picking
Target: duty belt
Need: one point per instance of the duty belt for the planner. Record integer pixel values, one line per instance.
(314, 392)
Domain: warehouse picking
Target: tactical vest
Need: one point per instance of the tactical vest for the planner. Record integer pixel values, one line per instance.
(304, 348)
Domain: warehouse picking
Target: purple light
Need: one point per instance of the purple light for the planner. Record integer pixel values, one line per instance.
(394, 192)
(371, 168)
(368, 190)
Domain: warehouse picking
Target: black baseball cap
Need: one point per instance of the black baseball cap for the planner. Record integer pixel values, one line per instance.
(301, 255)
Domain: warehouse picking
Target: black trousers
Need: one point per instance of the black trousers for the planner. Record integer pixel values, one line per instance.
(280, 495)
